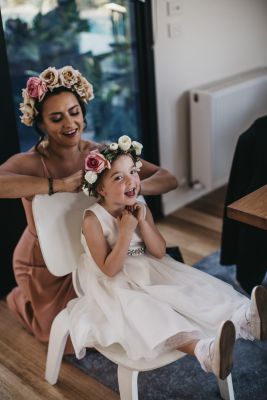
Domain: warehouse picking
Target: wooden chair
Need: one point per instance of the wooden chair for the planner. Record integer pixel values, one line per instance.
(58, 221)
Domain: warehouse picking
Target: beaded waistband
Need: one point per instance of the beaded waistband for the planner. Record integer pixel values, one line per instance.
(136, 252)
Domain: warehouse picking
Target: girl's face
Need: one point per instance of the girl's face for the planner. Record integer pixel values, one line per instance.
(62, 118)
(121, 184)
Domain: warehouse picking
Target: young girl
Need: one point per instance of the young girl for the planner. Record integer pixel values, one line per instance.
(137, 296)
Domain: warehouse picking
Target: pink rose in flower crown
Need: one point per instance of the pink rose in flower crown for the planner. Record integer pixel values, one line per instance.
(96, 162)
(36, 88)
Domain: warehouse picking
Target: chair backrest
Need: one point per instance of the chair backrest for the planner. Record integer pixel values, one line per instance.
(58, 220)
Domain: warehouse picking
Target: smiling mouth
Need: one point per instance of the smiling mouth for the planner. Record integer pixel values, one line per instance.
(71, 132)
(131, 192)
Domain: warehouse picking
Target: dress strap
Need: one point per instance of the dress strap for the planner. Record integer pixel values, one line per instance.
(46, 170)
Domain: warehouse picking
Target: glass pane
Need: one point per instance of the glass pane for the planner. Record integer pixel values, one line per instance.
(93, 36)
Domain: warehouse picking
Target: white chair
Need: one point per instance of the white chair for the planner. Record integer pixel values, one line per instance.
(58, 222)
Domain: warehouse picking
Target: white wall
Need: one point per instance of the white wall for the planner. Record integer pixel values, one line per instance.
(216, 39)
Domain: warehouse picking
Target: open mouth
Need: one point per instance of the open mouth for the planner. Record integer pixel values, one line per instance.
(131, 192)
(70, 133)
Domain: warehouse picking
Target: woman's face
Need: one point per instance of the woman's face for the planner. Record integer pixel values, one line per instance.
(62, 118)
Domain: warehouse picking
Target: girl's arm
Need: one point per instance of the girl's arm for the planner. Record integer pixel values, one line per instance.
(156, 180)
(155, 243)
(19, 178)
(110, 261)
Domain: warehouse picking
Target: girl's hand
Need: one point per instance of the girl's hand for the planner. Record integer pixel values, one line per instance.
(127, 221)
(139, 211)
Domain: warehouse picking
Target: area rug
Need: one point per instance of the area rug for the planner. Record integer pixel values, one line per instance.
(184, 379)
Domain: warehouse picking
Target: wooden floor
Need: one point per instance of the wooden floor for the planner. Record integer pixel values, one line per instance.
(195, 228)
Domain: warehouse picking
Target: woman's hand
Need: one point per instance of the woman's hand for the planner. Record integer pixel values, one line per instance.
(156, 180)
(71, 183)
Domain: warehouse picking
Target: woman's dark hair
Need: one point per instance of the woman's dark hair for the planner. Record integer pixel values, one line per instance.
(39, 107)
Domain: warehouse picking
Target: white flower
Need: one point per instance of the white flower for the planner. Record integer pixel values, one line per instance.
(138, 147)
(90, 177)
(28, 114)
(68, 76)
(26, 109)
(138, 165)
(113, 146)
(50, 77)
(26, 120)
(84, 89)
(124, 142)
(25, 96)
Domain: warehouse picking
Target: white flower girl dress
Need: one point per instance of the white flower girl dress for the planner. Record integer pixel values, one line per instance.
(151, 305)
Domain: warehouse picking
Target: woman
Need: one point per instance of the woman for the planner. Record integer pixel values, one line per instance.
(54, 104)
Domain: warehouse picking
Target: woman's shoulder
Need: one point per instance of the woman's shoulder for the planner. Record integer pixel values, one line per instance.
(88, 145)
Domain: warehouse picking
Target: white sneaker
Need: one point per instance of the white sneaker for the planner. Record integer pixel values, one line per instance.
(220, 357)
(257, 315)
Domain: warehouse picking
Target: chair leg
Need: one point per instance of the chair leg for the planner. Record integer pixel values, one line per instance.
(226, 388)
(57, 342)
(127, 379)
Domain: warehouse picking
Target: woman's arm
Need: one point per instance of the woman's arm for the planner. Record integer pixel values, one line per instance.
(156, 180)
(19, 178)
(110, 261)
(155, 243)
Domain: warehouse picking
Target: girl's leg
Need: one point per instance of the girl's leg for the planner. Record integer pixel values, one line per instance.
(189, 348)
(214, 355)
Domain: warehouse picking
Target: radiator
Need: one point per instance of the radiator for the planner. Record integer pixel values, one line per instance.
(219, 113)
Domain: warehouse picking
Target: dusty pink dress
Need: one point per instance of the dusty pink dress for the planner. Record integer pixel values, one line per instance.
(39, 295)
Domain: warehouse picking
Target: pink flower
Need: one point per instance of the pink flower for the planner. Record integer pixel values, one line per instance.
(96, 162)
(36, 88)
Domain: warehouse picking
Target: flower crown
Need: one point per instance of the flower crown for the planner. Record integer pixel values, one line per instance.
(97, 161)
(48, 80)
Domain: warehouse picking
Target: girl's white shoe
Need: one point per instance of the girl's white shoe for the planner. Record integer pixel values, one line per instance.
(216, 355)
(222, 357)
(257, 314)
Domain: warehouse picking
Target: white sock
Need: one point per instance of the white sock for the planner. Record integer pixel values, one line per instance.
(204, 353)
(241, 321)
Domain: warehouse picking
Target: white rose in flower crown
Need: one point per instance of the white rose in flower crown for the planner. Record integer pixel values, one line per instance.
(68, 76)
(124, 142)
(113, 146)
(90, 177)
(50, 77)
(29, 101)
(28, 113)
(26, 109)
(84, 89)
(138, 165)
(26, 97)
(26, 119)
(138, 147)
